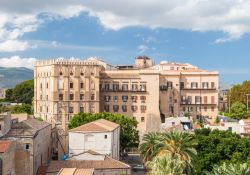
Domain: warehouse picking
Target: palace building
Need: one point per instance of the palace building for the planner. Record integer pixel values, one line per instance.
(148, 92)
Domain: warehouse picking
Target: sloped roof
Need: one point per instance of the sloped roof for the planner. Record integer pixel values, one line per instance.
(100, 125)
(75, 171)
(4, 145)
(26, 128)
(107, 163)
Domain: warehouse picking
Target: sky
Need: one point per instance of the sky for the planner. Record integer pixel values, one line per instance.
(210, 34)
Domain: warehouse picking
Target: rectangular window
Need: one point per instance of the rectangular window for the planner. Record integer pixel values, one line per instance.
(143, 87)
(47, 97)
(198, 108)
(106, 108)
(81, 109)
(124, 98)
(106, 87)
(81, 96)
(71, 96)
(41, 109)
(41, 85)
(205, 109)
(182, 85)
(189, 100)
(134, 99)
(134, 87)
(143, 108)
(0, 127)
(115, 98)
(212, 100)
(27, 146)
(81, 85)
(212, 85)
(169, 84)
(212, 109)
(116, 87)
(106, 98)
(105, 136)
(194, 85)
(134, 108)
(143, 99)
(205, 99)
(142, 119)
(124, 108)
(205, 85)
(60, 96)
(197, 100)
(71, 85)
(41, 97)
(47, 85)
(125, 87)
(92, 97)
(71, 110)
(116, 108)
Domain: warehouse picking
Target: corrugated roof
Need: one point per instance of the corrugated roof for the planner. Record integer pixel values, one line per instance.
(100, 125)
(4, 145)
(107, 163)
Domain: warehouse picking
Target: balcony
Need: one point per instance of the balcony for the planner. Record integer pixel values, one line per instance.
(196, 88)
(123, 90)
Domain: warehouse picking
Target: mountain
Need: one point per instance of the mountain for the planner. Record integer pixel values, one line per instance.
(10, 76)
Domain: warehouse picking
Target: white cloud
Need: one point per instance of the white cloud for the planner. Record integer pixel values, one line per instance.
(13, 45)
(230, 16)
(16, 61)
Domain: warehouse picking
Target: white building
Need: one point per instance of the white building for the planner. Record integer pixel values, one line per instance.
(244, 126)
(100, 136)
(226, 126)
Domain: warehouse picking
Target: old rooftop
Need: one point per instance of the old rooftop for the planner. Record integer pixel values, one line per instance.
(75, 171)
(26, 128)
(100, 125)
(107, 163)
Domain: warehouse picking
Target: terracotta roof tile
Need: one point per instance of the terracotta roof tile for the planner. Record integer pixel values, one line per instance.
(100, 125)
(107, 163)
(75, 171)
(4, 145)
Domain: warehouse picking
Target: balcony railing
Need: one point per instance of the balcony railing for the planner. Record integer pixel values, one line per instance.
(123, 90)
(196, 88)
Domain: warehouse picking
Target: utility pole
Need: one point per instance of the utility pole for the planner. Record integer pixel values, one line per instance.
(247, 102)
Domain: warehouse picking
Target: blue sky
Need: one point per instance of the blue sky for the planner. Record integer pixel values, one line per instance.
(109, 32)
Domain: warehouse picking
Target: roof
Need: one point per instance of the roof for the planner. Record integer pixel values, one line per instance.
(100, 125)
(246, 120)
(4, 145)
(26, 128)
(75, 171)
(107, 163)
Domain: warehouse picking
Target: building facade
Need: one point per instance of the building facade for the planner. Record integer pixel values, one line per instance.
(100, 136)
(148, 92)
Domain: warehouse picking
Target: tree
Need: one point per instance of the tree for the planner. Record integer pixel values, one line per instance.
(230, 169)
(238, 93)
(216, 147)
(238, 110)
(166, 165)
(24, 92)
(176, 144)
(149, 147)
(8, 95)
(129, 137)
(181, 145)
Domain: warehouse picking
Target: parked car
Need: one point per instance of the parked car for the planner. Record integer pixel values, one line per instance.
(138, 167)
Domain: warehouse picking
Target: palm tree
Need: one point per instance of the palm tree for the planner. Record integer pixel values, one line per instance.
(179, 145)
(166, 165)
(150, 146)
(230, 169)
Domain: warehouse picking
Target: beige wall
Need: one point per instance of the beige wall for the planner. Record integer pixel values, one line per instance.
(8, 160)
(158, 102)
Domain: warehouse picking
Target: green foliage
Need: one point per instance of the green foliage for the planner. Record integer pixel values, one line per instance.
(24, 108)
(177, 145)
(21, 93)
(238, 110)
(39, 119)
(129, 136)
(230, 169)
(216, 147)
(238, 93)
(166, 165)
